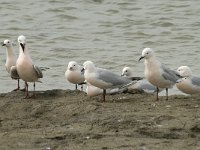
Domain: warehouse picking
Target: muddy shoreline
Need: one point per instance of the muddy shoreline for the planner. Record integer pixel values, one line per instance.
(66, 119)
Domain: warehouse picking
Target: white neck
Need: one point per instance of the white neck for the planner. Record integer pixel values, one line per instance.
(9, 52)
(24, 53)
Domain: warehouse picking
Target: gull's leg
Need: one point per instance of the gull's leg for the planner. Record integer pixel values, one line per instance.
(33, 96)
(166, 93)
(104, 95)
(81, 87)
(157, 93)
(75, 86)
(27, 94)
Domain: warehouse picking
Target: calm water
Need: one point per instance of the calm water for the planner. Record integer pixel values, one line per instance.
(111, 34)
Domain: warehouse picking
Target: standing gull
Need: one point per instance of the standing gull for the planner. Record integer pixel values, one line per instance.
(189, 84)
(74, 74)
(102, 78)
(26, 69)
(11, 61)
(142, 84)
(156, 73)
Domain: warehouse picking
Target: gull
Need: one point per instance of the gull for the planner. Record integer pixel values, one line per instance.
(94, 91)
(189, 84)
(142, 84)
(103, 78)
(185, 71)
(11, 61)
(156, 73)
(26, 69)
(74, 74)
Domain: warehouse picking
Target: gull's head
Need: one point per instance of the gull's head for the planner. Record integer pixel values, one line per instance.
(182, 80)
(22, 41)
(7, 43)
(127, 72)
(147, 53)
(72, 65)
(184, 71)
(88, 66)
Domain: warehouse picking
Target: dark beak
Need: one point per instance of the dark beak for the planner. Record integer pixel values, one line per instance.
(22, 45)
(3, 44)
(141, 58)
(82, 70)
(122, 75)
(70, 68)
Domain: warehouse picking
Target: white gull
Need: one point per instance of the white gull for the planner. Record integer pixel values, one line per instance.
(189, 84)
(156, 73)
(142, 84)
(74, 75)
(11, 61)
(103, 78)
(26, 69)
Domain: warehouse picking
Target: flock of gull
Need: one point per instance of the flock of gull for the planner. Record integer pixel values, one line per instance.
(101, 81)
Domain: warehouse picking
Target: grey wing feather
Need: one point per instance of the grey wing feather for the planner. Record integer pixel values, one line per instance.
(111, 77)
(196, 81)
(13, 73)
(170, 74)
(38, 71)
(146, 86)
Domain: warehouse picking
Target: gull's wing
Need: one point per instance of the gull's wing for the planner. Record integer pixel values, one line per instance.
(169, 74)
(38, 71)
(196, 80)
(112, 78)
(14, 73)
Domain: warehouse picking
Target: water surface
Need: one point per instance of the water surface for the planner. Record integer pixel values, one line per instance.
(111, 34)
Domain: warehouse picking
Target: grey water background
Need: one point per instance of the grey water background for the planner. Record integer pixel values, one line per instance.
(112, 34)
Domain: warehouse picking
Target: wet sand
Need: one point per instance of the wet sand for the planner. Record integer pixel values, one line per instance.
(65, 119)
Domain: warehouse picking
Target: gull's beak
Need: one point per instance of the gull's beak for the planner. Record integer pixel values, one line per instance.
(178, 74)
(122, 75)
(142, 57)
(179, 80)
(22, 45)
(70, 68)
(2, 43)
(83, 70)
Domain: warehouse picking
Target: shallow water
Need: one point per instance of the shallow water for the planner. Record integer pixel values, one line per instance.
(111, 34)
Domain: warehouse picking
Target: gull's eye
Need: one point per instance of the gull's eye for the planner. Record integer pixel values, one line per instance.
(126, 71)
(8, 41)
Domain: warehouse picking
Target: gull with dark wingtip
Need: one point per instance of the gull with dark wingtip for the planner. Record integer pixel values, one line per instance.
(103, 78)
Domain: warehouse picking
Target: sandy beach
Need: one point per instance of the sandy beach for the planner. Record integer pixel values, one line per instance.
(66, 119)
